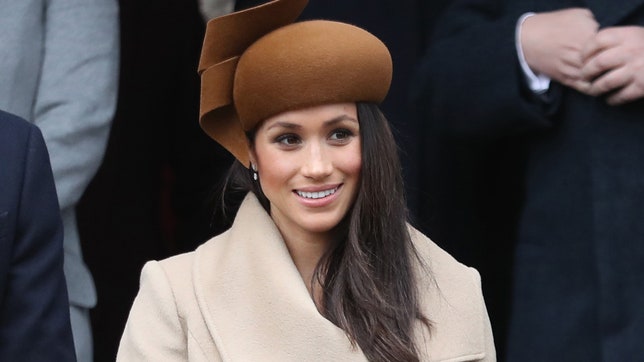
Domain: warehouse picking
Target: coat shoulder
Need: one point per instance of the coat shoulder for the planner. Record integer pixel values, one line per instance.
(178, 267)
(167, 297)
(443, 267)
(452, 300)
(446, 278)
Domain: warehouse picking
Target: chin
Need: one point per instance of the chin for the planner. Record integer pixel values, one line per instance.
(321, 226)
(317, 229)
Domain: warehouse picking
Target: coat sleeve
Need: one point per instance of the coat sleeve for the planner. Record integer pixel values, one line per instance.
(470, 83)
(154, 330)
(76, 94)
(34, 318)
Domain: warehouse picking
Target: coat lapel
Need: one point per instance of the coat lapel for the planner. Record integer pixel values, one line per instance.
(254, 301)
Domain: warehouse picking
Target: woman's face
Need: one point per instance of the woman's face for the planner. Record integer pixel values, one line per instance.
(309, 166)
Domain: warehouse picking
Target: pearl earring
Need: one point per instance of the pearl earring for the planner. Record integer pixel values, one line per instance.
(252, 165)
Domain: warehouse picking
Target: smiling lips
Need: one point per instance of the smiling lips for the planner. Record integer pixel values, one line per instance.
(317, 194)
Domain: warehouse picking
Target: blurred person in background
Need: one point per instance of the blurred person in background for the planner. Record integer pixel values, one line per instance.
(59, 70)
(560, 84)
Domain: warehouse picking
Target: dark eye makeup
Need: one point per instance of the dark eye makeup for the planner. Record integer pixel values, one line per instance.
(288, 139)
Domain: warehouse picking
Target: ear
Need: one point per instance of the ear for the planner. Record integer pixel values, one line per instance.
(252, 157)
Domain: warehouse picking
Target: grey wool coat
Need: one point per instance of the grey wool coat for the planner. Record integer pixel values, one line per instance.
(239, 297)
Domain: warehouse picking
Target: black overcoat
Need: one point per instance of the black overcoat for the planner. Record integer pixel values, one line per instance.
(578, 291)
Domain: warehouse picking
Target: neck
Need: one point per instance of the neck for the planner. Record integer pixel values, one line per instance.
(306, 250)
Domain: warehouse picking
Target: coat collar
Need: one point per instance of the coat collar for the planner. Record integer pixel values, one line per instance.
(254, 301)
(257, 307)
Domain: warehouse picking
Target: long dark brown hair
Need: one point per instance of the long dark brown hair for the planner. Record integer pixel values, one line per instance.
(367, 276)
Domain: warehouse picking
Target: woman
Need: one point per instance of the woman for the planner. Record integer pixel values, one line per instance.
(320, 264)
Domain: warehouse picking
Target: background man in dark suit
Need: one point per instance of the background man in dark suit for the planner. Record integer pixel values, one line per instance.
(563, 89)
(34, 310)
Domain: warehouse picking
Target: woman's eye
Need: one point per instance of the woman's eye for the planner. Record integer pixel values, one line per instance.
(340, 135)
(288, 139)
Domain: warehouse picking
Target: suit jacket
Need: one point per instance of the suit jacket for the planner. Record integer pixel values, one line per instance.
(34, 311)
(239, 297)
(577, 292)
(59, 70)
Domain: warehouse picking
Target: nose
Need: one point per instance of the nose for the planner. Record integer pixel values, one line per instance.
(317, 163)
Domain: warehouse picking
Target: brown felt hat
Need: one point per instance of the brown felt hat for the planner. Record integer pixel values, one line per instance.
(257, 63)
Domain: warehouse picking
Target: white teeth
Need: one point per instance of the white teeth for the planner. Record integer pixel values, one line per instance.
(317, 195)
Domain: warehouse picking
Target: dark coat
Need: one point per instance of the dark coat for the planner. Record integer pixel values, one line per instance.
(34, 309)
(578, 291)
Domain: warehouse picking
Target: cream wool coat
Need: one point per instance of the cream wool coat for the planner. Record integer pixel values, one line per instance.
(239, 297)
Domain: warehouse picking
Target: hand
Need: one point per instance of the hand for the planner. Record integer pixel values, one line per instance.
(614, 62)
(553, 42)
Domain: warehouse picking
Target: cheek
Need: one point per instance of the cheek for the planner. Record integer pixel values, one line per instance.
(351, 162)
(274, 171)
(354, 166)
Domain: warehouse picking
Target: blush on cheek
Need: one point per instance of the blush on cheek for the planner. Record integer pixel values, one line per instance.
(353, 162)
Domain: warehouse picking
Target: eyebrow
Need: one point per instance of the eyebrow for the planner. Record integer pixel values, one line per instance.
(339, 119)
(331, 122)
